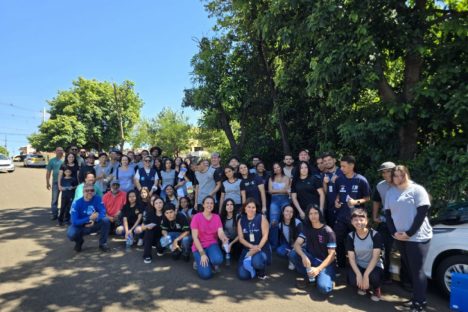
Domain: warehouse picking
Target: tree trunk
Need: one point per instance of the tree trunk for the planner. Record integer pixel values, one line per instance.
(228, 131)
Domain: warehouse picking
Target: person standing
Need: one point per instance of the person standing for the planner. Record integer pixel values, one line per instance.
(288, 161)
(406, 208)
(353, 192)
(53, 168)
(88, 166)
(88, 215)
(306, 189)
(331, 173)
(147, 176)
(103, 172)
(378, 203)
(69, 184)
(206, 184)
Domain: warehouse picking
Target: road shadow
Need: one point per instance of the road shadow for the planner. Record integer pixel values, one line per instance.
(41, 272)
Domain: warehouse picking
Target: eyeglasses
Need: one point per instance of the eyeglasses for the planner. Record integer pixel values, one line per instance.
(147, 160)
(89, 191)
(74, 149)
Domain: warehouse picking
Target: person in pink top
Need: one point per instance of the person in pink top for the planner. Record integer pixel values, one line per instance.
(206, 229)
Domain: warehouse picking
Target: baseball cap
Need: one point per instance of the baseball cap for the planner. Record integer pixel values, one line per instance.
(386, 165)
(115, 181)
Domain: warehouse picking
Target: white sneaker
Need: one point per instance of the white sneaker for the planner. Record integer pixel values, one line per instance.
(140, 242)
(361, 292)
(291, 266)
(195, 266)
(147, 260)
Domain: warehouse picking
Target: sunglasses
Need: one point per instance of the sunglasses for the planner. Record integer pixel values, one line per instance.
(74, 149)
(147, 160)
(89, 191)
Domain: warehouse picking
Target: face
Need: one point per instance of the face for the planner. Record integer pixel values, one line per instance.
(243, 169)
(288, 160)
(215, 160)
(359, 222)
(304, 156)
(170, 215)
(103, 159)
(158, 204)
(124, 161)
(399, 177)
(304, 170)
(329, 162)
(320, 164)
(59, 152)
(276, 169)
(168, 165)
(155, 152)
(113, 155)
(88, 193)
(169, 191)
(314, 216)
(67, 172)
(157, 163)
(288, 213)
(147, 162)
(132, 198)
(230, 206)
(115, 187)
(83, 153)
(346, 167)
(90, 160)
(234, 163)
(131, 155)
(261, 168)
(144, 193)
(250, 209)
(144, 153)
(70, 158)
(255, 161)
(206, 163)
(74, 150)
(387, 175)
(178, 161)
(90, 178)
(183, 203)
(228, 172)
(208, 205)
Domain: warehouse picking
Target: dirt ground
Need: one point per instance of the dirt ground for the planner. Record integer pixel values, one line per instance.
(39, 271)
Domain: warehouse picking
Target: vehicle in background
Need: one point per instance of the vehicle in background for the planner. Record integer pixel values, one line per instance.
(34, 160)
(448, 249)
(19, 158)
(6, 164)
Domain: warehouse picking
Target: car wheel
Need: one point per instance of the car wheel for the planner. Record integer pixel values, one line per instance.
(453, 264)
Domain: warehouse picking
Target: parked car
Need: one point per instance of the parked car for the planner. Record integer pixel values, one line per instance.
(19, 158)
(34, 160)
(448, 249)
(6, 164)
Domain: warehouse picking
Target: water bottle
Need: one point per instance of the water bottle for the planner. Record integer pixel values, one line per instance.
(165, 241)
(228, 259)
(311, 278)
(129, 241)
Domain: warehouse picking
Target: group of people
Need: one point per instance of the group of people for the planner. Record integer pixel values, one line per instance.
(311, 214)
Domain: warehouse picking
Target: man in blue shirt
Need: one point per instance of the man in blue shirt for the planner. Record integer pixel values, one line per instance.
(53, 168)
(88, 215)
(353, 191)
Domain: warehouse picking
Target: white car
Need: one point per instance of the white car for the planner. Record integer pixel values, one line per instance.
(6, 164)
(34, 160)
(448, 249)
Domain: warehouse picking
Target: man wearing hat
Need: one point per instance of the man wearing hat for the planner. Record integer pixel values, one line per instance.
(378, 199)
(114, 200)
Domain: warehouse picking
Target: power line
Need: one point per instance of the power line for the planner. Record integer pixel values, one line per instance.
(16, 129)
(7, 133)
(21, 116)
(20, 107)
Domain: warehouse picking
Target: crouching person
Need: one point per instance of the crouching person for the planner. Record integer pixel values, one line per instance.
(88, 215)
(316, 261)
(176, 232)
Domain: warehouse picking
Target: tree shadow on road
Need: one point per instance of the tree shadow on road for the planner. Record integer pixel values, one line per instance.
(39, 271)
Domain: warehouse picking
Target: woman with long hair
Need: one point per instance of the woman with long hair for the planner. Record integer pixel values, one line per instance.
(125, 174)
(229, 219)
(168, 176)
(71, 163)
(131, 215)
(278, 187)
(252, 187)
(230, 188)
(289, 229)
(307, 189)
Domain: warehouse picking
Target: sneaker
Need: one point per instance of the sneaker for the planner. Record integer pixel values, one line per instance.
(53, 218)
(291, 266)
(228, 262)
(376, 295)
(361, 292)
(409, 303)
(216, 269)
(78, 245)
(195, 266)
(147, 260)
(140, 242)
(262, 276)
(302, 283)
(417, 307)
(160, 253)
(104, 248)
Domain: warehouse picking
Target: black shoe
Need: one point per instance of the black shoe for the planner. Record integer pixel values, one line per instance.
(53, 218)
(61, 223)
(186, 257)
(78, 246)
(104, 248)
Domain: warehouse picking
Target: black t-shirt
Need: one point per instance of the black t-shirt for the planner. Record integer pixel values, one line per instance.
(149, 216)
(131, 213)
(180, 224)
(69, 184)
(318, 241)
(250, 186)
(306, 190)
(74, 169)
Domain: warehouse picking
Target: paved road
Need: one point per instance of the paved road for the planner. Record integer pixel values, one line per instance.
(39, 271)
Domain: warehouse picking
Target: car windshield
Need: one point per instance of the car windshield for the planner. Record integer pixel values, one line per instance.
(3, 157)
(37, 156)
(453, 213)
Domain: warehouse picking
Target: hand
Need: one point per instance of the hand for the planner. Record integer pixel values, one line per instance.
(359, 281)
(89, 224)
(175, 245)
(94, 216)
(314, 272)
(334, 177)
(365, 282)
(302, 215)
(337, 203)
(401, 236)
(204, 261)
(377, 220)
(306, 261)
(326, 179)
(225, 240)
(254, 249)
(60, 188)
(128, 234)
(264, 210)
(48, 186)
(352, 202)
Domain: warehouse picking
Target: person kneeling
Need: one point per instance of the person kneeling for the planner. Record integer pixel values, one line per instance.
(176, 232)
(88, 215)
(317, 260)
(252, 230)
(364, 248)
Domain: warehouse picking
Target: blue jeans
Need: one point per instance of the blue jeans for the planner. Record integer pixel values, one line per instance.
(283, 250)
(259, 263)
(186, 242)
(76, 233)
(324, 279)
(277, 202)
(54, 202)
(215, 257)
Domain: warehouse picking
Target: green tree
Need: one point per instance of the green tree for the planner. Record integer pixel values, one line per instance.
(3, 151)
(93, 114)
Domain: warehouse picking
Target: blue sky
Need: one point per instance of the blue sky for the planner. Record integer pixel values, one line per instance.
(45, 45)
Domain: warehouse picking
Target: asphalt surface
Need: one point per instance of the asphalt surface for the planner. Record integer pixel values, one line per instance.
(39, 271)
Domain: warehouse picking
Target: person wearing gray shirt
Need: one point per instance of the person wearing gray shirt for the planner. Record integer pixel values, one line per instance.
(230, 188)
(205, 184)
(406, 208)
(364, 247)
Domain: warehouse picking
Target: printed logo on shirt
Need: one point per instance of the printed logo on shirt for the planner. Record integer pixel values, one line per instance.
(342, 189)
(90, 210)
(355, 188)
(320, 239)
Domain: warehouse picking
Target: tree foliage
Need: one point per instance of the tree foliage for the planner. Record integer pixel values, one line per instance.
(92, 114)
(381, 79)
(3, 151)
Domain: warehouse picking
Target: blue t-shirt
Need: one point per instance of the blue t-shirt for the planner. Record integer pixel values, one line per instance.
(250, 186)
(355, 188)
(81, 210)
(331, 187)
